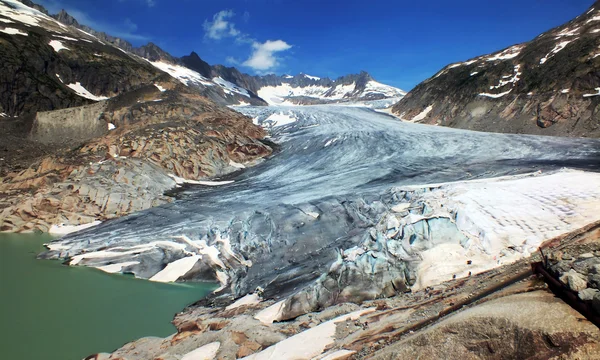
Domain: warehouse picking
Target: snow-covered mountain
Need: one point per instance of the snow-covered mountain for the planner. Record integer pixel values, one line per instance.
(547, 86)
(70, 64)
(307, 89)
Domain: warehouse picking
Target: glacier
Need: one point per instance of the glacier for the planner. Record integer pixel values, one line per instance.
(353, 205)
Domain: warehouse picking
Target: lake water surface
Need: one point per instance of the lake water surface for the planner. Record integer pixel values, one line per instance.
(54, 312)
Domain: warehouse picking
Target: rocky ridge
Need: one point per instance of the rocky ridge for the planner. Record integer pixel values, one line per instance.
(548, 86)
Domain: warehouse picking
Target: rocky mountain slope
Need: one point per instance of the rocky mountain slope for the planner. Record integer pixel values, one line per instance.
(548, 86)
(89, 131)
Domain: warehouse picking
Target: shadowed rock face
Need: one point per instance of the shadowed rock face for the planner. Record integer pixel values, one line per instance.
(546, 86)
(316, 212)
(34, 76)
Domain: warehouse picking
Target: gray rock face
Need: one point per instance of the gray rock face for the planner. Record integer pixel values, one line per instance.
(34, 76)
(74, 125)
(314, 220)
(574, 280)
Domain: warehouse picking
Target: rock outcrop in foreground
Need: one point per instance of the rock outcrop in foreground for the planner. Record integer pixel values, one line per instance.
(548, 86)
(505, 313)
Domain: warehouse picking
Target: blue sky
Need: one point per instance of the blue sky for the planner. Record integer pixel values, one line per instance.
(400, 43)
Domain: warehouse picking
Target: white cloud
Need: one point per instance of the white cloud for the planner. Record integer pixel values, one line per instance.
(264, 57)
(231, 60)
(221, 27)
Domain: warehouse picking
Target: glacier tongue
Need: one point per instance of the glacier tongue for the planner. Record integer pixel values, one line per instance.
(322, 210)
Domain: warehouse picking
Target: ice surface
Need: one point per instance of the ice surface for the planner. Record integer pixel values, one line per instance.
(296, 199)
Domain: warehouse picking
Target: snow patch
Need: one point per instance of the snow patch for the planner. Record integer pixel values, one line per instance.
(250, 299)
(312, 77)
(11, 31)
(83, 92)
(162, 89)
(65, 37)
(308, 344)
(57, 45)
(567, 32)
(565, 91)
(496, 96)
(111, 126)
(230, 88)
(206, 352)
(374, 87)
(474, 73)
(22, 13)
(507, 54)
(510, 79)
(561, 45)
(236, 165)
(180, 181)
(279, 119)
(590, 95)
(423, 114)
(595, 18)
(117, 268)
(342, 91)
(64, 229)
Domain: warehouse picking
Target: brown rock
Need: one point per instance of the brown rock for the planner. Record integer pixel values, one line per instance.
(248, 348)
